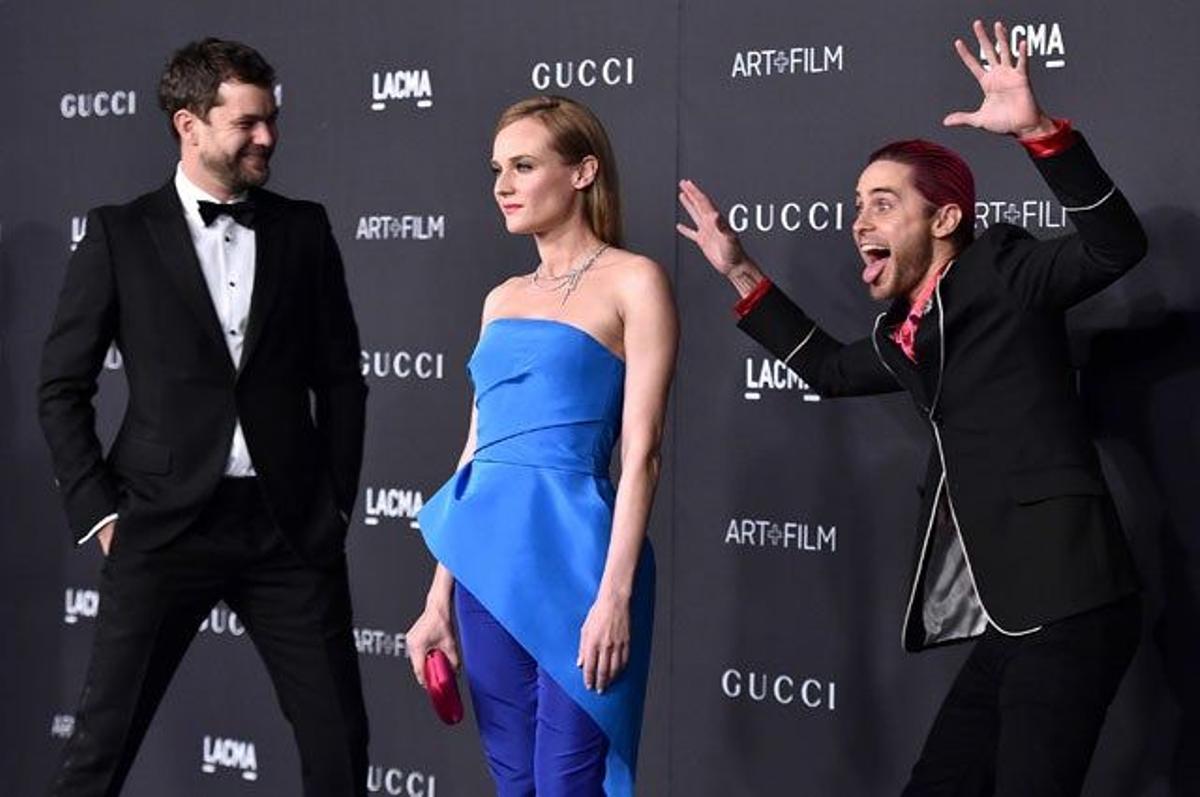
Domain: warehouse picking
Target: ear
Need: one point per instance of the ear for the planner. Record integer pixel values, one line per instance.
(185, 123)
(946, 221)
(585, 172)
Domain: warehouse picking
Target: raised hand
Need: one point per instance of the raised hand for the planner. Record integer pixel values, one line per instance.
(712, 234)
(1008, 104)
(717, 242)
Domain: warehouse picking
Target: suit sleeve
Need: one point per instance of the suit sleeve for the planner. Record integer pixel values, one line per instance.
(339, 388)
(828, 366)
(83, 327)
(1108, 242)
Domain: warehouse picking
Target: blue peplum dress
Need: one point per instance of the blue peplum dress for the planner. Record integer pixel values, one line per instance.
(525, 525)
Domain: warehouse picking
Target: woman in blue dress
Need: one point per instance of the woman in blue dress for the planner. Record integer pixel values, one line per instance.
(544, 564)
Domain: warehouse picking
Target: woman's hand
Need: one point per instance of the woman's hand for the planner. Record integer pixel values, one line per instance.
(431, 630)
(604, 642)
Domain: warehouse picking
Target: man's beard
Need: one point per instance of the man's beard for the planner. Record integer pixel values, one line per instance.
(231, 172)
(911, 265)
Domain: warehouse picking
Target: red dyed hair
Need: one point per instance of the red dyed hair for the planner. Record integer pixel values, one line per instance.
(940, 175)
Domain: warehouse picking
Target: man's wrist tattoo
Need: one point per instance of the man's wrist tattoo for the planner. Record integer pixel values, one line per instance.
(743, 281)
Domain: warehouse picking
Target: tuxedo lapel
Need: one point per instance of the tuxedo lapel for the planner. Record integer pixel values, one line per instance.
(905, 370)
(930, 344)
(270, 250)
(169, 231)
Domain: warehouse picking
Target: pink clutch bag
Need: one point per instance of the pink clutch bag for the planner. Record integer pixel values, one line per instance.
(442, 686)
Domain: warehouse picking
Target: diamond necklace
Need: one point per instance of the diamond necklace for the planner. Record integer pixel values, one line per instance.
(569, 280)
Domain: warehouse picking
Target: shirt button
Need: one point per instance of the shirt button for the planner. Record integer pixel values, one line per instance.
(228, 239)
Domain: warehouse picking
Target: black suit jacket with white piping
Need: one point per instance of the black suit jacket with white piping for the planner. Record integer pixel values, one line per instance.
(1012, 466)
(298, 391)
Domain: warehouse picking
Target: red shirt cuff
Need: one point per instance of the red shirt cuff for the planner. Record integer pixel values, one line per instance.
(1050, 144)
(747, 302)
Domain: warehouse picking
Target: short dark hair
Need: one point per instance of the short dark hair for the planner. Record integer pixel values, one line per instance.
(941, 176)
(196, 71)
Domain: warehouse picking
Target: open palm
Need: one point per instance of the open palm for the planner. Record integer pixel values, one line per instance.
(712, 234)
(1008, 103)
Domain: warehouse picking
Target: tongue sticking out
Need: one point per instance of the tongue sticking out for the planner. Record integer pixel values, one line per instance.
(874, 269)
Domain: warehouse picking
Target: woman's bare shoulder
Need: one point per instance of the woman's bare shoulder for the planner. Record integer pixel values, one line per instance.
(499, 294)
(634, 273)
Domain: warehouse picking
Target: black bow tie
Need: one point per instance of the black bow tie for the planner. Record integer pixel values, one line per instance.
(241, 212)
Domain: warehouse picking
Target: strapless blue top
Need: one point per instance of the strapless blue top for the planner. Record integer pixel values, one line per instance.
(525, 525)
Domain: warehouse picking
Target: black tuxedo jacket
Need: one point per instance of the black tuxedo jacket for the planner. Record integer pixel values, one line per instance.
(994, 380)
(299, 391)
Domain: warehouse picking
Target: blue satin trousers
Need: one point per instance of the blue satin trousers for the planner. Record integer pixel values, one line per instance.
(536, 739)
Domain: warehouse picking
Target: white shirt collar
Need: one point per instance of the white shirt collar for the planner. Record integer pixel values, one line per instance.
(191, 194)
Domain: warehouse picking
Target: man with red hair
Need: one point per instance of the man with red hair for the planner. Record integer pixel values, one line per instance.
(1018, 544)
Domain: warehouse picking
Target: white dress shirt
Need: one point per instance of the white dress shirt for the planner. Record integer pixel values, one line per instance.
(226, 251)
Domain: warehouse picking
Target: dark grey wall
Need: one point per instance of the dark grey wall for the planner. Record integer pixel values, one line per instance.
(784, 526)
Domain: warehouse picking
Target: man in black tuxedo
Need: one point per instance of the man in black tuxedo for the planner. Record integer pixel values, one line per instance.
(1018, 543)
(236, 466)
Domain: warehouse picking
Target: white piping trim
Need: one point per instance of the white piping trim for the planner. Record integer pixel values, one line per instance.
(800, 345)
(937, 393)
(942, 481)
(937, 435)
(96, 528)
(921, 561)
(878, 353)
(1112, 190)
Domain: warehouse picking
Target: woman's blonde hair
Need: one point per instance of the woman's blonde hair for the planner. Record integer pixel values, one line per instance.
(576, 133)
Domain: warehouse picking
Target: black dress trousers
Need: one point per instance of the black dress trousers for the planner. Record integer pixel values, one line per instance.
(1023, 716)
(151, 604)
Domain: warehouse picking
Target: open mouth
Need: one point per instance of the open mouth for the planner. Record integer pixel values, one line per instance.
(876, 256)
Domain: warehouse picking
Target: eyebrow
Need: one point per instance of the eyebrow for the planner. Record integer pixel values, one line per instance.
(256, 116)
(881, 190)
(514, 158)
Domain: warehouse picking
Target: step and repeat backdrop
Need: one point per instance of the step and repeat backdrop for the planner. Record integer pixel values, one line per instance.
(784, 523)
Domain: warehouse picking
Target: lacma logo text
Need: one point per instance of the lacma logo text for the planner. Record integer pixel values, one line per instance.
(392, 503)
(399, 85)
(769, 374)
(1042, 40)
(80, 603)
(230, 754)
